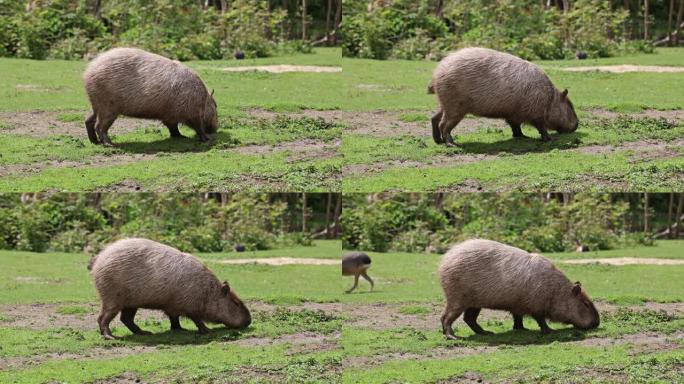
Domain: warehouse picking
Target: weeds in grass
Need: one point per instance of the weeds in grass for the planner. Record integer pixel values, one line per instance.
(70, 117)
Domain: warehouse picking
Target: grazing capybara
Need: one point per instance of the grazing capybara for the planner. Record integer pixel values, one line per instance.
(356, 264)
(140, 273)
(136, 83)
(480, 274)
(494, 84)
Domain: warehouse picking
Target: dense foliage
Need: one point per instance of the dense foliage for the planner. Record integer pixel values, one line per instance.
(433, 222)
(192, 222)
(408, 29)
(180, 29)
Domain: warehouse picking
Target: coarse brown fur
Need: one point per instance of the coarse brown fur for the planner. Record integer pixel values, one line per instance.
(480, 274)
(136, 83)
(140, 273)
(356, 264)
(494, 84)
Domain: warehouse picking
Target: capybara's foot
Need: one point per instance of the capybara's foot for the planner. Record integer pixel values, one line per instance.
(108, 336)
(520, 136)
(450, 336)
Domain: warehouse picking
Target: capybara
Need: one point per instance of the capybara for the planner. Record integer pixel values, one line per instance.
(136, 83)
(494, 84)
(140, 273)
(478, 274)
(356, 264)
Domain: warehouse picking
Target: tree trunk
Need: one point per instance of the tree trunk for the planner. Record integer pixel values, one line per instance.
(669, 216)
(98, 9)
(328, 16)
(338, 213)
(328, 214)
(440, 8)
(645, 19)
(678, 26)
(678, 218)
(303, 19)
(303, 212)
(338, 21)
(670, 14)
(646, 213)
(629, 16)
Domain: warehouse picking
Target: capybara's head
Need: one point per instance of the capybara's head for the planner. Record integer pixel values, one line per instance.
(210, 114)
(229, 310)
(582, 312)
(561, 116)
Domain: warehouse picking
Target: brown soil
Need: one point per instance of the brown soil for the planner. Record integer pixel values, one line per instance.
(626, 261)
(92, 353)
(301, 150)
(622, 68)
(45, 123)
(671, 115)
(281, 261)
(283, 68)
(97, 161)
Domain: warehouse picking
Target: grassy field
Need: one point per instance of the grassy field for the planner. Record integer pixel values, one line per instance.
(48, 329)
(43, 145)
(631, 125)
(393, 333)
(306, 329)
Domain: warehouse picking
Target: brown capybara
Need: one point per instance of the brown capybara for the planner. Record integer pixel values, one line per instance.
(136, 83)
(478, 274)
(140, 273)
(494, 84)
(356, 264)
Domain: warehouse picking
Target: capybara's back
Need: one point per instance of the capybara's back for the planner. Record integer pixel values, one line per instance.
(355, 262)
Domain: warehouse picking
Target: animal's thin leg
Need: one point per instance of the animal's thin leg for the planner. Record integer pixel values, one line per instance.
(201, 327)
(173, 129)
(102, 127)
(103, 320)
(448, 317)
(90, 128)
(446, 125)
(518, 323)
(365, 276)
(356, 283)
(436, 134)
(127, 316)
(515, 126)
(470, 318)
(542, 325)
(542, 131)
(175, 323)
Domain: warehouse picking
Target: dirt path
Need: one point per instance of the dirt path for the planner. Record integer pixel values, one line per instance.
(626, 261)
(282, 68)
(280, 261)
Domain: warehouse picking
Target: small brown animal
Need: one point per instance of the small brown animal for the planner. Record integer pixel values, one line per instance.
(136, 83)
(494, 84)
(356, 264)
(140, 273)
(480, 274)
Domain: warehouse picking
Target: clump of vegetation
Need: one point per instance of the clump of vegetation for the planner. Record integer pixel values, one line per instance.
(209, 223)
(425, 29)
(432, 223)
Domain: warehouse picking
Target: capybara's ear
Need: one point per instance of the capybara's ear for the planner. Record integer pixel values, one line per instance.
(565, 93)
(577, 288)
(225, 288)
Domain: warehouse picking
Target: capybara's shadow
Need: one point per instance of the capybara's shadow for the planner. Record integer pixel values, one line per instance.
(519, 145)
(169, 144)
(363, 292)
(188, 336)
(530, 336)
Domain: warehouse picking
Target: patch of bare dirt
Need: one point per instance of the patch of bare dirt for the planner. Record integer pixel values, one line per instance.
(623, 68)
(675, 115)
(281, 261)
(92, 353)
(300, 150)
(467, 378)
(97, 161)
(626, 261)
(283, 68)
(125, 185)
(46, 123)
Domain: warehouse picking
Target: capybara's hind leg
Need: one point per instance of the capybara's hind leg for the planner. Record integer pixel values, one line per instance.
(175, 323)
(518, 323)
(542, 325)
(173, 129)
(127, 317)
(436, 134)
(356, 283)
(448, 317)
(446, 125)
(470, 318)
(102, 127)
(365, 276)
(103, 320)
(90, 128)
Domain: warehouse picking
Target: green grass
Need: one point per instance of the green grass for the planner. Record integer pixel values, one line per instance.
(412, 278)
(671, 249)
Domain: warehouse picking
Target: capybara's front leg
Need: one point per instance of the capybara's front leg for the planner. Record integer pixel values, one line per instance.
(542, 325)
(127, 317)
(173, 129)
(175, 322)
(518, 323)
(470, 317)
(436, 134)
(365, 276)
(90, 128)
(201, 327)
(542, 131)
(517, 130)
